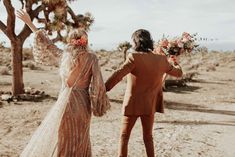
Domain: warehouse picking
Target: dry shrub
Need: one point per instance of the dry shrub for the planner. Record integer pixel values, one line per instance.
(4, 71)
(1, 104)
(216, 64)
(5, 56)
(211, 68)
(231, 60)
(104, 62)
(27, 54)
(2, 45)
(114, 67)
(30, 65)
(192, 67)
(187, 77)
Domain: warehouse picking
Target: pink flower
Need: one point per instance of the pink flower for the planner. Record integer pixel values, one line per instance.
(172, 43)
(164, 43)
(180, 43)
(185, 40)
(186, 35)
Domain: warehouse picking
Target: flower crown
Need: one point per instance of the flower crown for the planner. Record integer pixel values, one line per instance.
(79, 42)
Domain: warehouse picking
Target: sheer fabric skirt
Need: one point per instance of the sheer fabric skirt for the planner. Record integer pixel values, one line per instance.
(65, 130)
(74, 138)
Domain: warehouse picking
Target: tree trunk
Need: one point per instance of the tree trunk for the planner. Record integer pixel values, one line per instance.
(17, 67)
(124, 54)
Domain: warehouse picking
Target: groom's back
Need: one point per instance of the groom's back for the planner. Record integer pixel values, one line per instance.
(144, 83)
(143, 94)
(149, 69)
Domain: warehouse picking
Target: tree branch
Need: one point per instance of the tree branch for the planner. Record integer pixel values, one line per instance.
(59, 37)
(36, 11)
(3, 27)
(10, 20)
(41, 20)
(72, 14)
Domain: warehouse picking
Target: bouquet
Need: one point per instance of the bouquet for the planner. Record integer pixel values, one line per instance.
(177, 46)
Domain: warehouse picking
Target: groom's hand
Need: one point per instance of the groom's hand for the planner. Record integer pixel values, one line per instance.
(173, 60)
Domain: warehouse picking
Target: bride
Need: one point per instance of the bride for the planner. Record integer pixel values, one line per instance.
(65, 130)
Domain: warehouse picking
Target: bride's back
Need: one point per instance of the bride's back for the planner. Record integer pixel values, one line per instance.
(81, 75)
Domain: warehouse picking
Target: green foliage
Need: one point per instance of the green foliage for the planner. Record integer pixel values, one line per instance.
(58, 16)
(124, 46)
(86, 20)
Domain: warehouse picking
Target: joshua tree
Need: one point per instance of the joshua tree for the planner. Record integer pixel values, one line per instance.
(124, 47)
(63, 19)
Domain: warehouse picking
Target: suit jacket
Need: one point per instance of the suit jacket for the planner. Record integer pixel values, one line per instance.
(143, 95)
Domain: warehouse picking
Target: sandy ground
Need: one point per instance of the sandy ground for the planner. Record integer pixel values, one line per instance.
(199, 119)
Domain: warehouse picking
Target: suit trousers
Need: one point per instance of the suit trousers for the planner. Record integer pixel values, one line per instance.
(128, 123)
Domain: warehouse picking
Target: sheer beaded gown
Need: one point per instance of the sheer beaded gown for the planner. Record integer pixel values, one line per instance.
(65, 130)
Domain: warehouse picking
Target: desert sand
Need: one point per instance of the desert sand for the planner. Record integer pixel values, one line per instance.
(199, 119)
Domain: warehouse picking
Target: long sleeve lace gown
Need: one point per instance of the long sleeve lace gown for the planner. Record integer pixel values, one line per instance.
(65, 130)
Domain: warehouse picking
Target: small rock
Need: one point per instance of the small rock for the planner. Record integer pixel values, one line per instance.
(6, 97)
(14, 100)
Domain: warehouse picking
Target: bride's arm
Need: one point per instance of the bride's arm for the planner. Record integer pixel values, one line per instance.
(24, 16)
(99, 100)
(44, 50)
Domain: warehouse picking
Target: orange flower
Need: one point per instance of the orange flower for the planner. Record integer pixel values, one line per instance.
(79, 42)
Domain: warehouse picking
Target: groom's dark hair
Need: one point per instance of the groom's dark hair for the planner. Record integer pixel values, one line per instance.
(142, 41)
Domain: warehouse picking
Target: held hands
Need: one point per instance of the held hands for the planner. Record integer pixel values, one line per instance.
(173, 59)
(24, 16)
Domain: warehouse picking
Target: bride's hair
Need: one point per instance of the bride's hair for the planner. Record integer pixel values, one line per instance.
(73, 50)
(76, 35)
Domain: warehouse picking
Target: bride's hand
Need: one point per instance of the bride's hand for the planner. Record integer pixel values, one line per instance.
(24, 16)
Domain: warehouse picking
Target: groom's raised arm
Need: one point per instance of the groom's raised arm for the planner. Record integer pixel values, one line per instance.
(117, 76)
(173, 70)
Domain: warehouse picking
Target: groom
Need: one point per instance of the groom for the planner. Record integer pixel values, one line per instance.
(143, 96)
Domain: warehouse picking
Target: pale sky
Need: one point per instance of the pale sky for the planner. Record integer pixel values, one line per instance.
(116, 20)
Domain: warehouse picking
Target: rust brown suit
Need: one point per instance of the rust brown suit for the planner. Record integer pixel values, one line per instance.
(143, 96)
